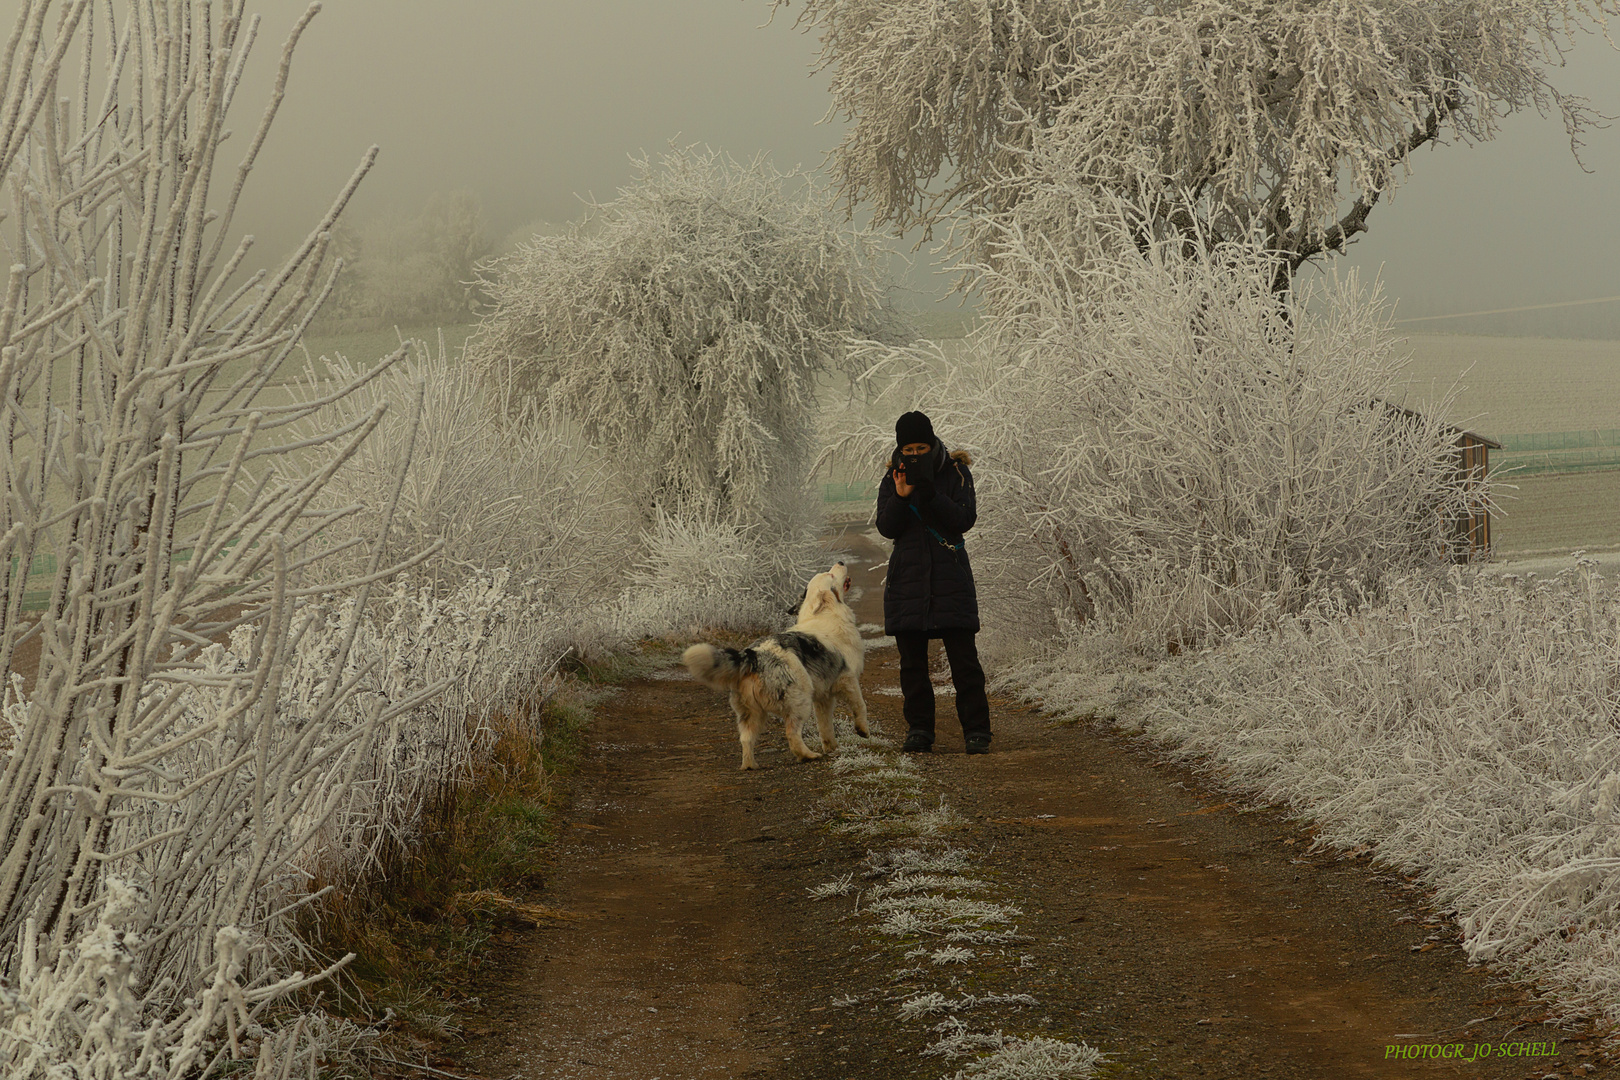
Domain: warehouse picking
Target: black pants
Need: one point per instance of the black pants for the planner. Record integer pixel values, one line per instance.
(972, 707)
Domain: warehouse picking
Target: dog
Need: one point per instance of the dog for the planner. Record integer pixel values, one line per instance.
(792, 673)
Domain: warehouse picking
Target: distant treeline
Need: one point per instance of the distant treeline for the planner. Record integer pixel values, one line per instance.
(412, 269)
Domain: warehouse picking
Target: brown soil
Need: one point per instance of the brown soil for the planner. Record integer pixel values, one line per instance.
(1181, 934)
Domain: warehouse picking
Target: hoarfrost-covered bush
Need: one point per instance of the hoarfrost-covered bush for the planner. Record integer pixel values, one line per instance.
(1467, 730)
(96, 980)
(701, 573)
(1166, 448)
(523, 498)
(454, 661)
(422, 677)
(520, 495)
(684, 326)
(157, 797)
(1290, 120)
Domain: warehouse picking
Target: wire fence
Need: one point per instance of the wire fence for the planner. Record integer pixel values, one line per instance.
(849, 491)
(1558, 452)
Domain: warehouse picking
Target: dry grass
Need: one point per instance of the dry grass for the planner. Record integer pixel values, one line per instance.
(420, 928)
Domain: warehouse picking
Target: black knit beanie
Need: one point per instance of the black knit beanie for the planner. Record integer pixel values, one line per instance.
(914, 427)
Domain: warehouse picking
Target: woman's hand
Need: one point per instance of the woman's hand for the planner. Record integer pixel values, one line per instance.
(901, 488)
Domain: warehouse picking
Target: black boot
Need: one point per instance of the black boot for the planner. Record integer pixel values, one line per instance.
(918, 742)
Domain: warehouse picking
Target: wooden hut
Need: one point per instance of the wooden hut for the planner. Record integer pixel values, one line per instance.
(1468, 538)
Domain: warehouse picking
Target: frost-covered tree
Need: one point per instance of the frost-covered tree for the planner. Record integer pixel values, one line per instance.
(407, 270)
(1221, 118)
(684, 326)
(1166, 448)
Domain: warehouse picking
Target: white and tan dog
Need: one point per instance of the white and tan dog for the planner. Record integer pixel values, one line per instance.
(791, 673)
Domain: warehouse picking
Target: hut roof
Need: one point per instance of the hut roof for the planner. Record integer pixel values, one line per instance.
(1453, 430)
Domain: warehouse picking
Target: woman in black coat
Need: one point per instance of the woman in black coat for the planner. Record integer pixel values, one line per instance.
(925, 504)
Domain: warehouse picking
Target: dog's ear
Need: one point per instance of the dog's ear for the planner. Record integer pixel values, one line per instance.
(823, 599)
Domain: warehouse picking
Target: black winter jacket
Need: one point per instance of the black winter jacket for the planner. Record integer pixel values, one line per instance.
(930, 586)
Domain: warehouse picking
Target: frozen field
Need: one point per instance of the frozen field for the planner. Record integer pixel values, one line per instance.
(1521, 385)
(1510, 386)
(1515, 385)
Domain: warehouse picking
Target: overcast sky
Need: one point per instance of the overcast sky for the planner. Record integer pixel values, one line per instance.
(533, 103)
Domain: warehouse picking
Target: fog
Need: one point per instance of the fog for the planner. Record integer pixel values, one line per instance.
(1516, 221)
(533, 106)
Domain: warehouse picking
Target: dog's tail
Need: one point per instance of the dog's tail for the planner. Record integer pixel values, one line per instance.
(719, 668)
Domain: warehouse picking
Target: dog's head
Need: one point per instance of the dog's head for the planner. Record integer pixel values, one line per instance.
(826, 590)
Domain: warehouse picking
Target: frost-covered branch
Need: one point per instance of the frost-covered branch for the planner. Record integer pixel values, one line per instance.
(522, 495)
(1228, 117)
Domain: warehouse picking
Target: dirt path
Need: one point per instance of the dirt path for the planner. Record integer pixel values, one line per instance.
(1155, 922)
